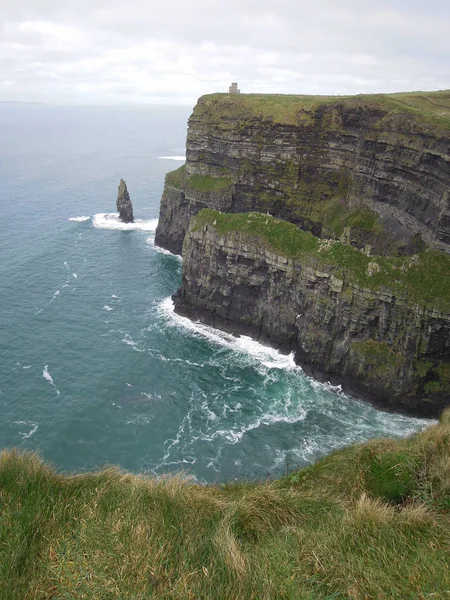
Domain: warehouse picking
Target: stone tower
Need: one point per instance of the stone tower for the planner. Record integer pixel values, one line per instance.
(233, 89)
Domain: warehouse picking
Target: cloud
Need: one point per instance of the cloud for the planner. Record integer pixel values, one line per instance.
(111, 52)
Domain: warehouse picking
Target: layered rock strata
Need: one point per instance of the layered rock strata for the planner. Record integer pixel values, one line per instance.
(124, 204)
(364, 298)
(372, 171)
(327, 303)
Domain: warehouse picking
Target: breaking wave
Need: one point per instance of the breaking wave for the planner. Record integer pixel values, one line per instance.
(79, 219)
(112, 221)
(180, 158)
(267, 356)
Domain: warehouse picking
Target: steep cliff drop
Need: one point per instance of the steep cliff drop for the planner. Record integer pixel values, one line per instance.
(124, 205)
(353, 274)
(379, 326)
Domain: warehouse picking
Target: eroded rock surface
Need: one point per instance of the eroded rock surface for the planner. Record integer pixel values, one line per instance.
(124, 204)
(378, 344)
(358, 169)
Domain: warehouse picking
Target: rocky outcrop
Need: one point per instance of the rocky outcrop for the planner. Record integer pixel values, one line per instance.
(372, 171)
(330, 305)
(124, 205)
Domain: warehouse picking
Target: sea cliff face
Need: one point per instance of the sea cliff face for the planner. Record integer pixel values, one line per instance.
(353, 274)
(372, 171)
(387, 344)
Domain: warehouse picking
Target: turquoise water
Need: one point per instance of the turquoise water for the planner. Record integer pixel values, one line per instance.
(94, 366)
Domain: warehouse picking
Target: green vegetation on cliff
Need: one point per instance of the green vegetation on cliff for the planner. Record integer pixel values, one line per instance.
(370, 521)
(433, 107)
(177, 178)
(422, 278)
(201, 183)
(206, 183)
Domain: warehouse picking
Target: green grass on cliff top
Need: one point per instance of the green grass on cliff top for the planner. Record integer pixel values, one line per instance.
(433, 107)
(423, 279)
(200, 183)
(371, 521)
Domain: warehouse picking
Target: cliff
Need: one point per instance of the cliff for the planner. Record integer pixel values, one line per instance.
(353, 275)
(373, 171)
(378, 325)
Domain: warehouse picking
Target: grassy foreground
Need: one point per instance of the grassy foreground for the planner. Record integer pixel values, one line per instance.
(369, 521)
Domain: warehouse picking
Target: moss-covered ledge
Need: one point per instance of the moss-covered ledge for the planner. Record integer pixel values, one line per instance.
(422, 279)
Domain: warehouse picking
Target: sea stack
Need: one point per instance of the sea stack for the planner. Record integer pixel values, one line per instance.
(124, 205)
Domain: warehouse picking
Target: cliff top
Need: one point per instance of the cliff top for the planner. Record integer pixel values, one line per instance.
(368, 521)
(433, 107)
(422, 278)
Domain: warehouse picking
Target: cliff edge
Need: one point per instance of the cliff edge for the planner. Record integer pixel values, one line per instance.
(373, 171)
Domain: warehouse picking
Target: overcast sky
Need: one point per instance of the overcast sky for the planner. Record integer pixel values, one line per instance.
(172, 51)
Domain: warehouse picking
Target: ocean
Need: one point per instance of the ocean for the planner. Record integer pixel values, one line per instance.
(95, 367)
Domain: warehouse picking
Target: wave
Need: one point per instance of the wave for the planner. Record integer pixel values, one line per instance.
(112, 221)
(180, 158)
(107, 308)
(46, 375)
(25, 435)
(267, 356)
(150, 242)
(79, 219)
(130, 342)
(234, 435)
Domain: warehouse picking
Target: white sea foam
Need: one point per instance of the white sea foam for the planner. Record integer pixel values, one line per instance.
(75, 275)
(46, 375)
(151, 242)
(167, 252)
(151, 396)
(130, 342)
(210, 414)
(108, 308)
(235, 435)
(269, 357)
(27, 434)
(56, 293)
(112, 221)
(79, 219)
(320, 385)
(139, 420)
(26, 367)
(180, 158)
(114, 297)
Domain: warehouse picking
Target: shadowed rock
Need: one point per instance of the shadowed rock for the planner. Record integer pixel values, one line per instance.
(124, 205)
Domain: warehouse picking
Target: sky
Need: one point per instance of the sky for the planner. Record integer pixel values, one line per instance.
(111, 52)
